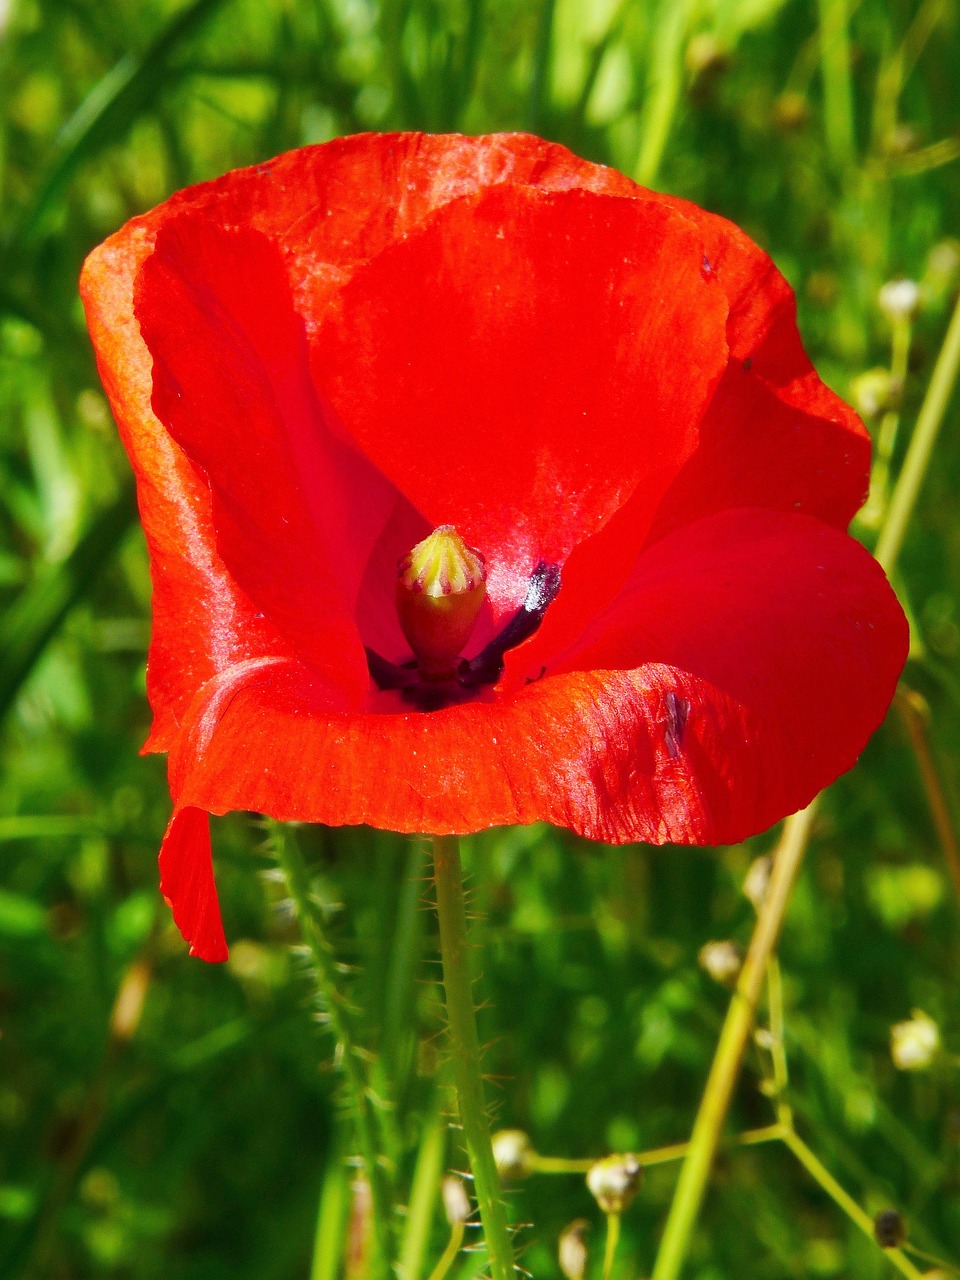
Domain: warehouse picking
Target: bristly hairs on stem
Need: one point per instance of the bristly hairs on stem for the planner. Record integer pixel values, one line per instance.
(350, 1056)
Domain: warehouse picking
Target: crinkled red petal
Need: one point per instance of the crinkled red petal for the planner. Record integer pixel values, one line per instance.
(745, 667)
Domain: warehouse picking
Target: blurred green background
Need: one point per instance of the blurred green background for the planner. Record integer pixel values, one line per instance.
(163, 1118)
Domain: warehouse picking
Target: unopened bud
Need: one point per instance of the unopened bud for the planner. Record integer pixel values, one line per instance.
(914, 1044)
(456, 1202)
(721, 961)
(875, 392)
(572, 1250)
(889, 1229)
(514, 1155)
(615, 1181)
(441, 586)
(756, 880)
(899, 299)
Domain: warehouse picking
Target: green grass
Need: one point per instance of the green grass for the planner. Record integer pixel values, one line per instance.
(202, 1139)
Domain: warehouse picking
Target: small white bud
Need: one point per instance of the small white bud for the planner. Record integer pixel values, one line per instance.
(514, 1154)
(915, 1043)
(722, 961)
(899, 299)
(572, 1250)
(615, 1181)
(456, 1203)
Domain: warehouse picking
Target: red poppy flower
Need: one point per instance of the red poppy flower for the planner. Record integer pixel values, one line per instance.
(316, 361)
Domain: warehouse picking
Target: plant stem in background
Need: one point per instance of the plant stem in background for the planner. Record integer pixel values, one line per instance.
(288, 856)
(664, 83)
(837, 84)
(733, 1038)
(464, 1044)
(915, 715)
(929, 420)
(839, 1196)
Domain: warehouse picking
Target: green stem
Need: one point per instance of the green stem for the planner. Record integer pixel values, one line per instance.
(331, 1219)
(840, 1197)
(660, 1155)
(465, 1054)
(837, 83)
(423, 1197)
(664, 86)
(297, 875)
(733, 1038)
(929, 420)
(449, 1255)
(613, 1239)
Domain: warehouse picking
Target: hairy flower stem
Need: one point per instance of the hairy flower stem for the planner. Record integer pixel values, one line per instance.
(297, 875)
(726, 1062)
(465, 1053)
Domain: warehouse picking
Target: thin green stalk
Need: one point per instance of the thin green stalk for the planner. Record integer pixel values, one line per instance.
(331, 1219)
(840, 1197)
(837, 82)
(660, 1155)
(778, 1053)
(873, 513)
(449, 1255)
(929, 420)
(297, 875)
(613, 1239)
(464, 1046)
(423, 1198)
(664, 85)
(733, 1038)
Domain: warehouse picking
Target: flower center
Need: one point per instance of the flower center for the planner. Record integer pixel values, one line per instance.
(441, 586)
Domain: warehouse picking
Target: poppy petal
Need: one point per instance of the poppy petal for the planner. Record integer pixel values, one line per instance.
(791, 621)
(296, 509)
(201, 618)
(187, 884)
(684, 732)
(504, 365)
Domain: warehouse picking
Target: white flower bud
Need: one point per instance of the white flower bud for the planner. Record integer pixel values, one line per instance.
(456, 1203)
(914, 1044)
(899, 299)
(572, 1250)
(514, 1154)
(615, 1180)
(721, 961)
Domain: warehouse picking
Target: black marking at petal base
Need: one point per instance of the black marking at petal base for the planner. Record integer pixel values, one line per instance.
(542, 590)
(486, 667)
(678, 709)
(387, 674)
